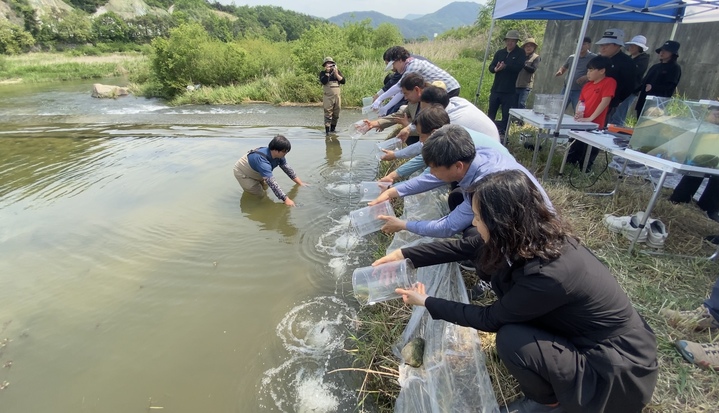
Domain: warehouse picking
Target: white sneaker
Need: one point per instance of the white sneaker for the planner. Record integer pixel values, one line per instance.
(616, 224)
(630, 231)
(657, 234)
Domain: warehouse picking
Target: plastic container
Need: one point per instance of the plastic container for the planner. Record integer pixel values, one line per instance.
(367, 101)
(358, 129)
(553, 107)
(365, 221)
(540, 104)
(376, 284)
(390, 145)
(371, 190)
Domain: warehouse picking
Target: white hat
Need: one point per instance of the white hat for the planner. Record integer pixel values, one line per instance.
(640, 41)
(612, 36)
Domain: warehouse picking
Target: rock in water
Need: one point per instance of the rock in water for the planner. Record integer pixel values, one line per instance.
(108, 91)
(413, 352)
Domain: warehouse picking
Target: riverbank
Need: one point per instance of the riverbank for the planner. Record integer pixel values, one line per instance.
(652, 282)
(57, 67)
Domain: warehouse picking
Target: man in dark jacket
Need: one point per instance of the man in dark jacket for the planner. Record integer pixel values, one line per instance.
(637, 48)
(506, 65)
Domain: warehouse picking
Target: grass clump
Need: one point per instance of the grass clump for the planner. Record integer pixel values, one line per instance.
(651, 281)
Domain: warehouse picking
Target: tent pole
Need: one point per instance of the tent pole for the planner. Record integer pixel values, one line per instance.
(582, 33)
(484, 62)
(674, 30)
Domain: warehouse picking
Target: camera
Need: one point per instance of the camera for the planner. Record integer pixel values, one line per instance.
(332, 66)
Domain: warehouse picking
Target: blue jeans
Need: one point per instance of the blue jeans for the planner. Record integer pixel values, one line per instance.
(573, 98)
(620, 114)
(712, 303)
(522, 95)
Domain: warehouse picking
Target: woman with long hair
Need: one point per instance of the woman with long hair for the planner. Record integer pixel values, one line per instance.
(565, 328)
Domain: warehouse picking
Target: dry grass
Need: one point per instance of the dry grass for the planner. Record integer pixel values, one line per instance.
(445, 49)
(652, 282)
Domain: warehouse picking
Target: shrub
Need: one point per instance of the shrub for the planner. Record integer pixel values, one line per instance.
(13, 39)
(189, 56)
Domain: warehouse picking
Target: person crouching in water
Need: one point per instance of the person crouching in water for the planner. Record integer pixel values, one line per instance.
(254, 170)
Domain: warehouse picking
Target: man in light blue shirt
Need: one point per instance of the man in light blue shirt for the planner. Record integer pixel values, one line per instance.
(433, 117)
(452, 157)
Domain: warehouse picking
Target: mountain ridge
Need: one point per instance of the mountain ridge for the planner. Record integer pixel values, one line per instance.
(455, 14)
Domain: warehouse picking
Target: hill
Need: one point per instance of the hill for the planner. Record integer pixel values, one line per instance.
(456, 14)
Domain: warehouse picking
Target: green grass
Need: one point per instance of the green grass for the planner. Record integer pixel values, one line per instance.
(50, 67)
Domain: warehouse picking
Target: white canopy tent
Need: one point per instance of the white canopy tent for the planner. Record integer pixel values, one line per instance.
(659, 11)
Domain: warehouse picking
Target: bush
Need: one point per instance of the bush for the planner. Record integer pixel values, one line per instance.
(189, 57)
(13, 39)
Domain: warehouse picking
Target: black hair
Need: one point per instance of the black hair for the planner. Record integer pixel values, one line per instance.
(280, 143)
(431, 117)
(587, 39)
(395, 53)
(520, 223)
(599, 63)
(448, 145)
(435, 94)
(412, 80)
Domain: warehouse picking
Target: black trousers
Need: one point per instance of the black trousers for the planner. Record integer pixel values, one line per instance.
(709, 201)
(506, 101)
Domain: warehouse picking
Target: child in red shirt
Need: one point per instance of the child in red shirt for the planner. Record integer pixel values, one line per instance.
(595, 95)
(597, 92)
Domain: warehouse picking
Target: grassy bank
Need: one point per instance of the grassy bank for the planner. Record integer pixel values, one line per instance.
(651, 281)
(52, 67)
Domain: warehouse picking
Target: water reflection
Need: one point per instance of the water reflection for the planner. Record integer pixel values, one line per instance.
(272, 215)
(333, 151)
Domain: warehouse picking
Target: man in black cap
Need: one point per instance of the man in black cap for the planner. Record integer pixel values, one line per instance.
(506, 65)
(662, 78)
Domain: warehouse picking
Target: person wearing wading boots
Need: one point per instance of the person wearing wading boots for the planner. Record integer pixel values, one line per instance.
(331, 79)
(254, 170)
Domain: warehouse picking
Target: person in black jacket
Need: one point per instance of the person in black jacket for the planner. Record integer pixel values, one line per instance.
(637, 48)
(565, 328)
(506, 65)
(662, 78)
(331, 79)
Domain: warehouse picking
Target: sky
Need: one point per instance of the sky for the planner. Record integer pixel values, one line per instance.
(325, 9)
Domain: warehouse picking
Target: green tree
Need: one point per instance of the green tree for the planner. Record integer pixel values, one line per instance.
(385, 36)
(143, 29)
(189, 56)
(13, 39)
(109, 27)
(74, 27)
(88, 6)
(320, 41)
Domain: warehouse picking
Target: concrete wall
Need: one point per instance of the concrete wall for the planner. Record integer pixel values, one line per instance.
(698, 55)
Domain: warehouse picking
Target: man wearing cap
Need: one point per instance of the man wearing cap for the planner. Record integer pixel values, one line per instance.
(402, 62)
(662, 78)
(525, 79)
(506, 65)
(580, 73)
(623, 69)
(636, 48)
(331, 79)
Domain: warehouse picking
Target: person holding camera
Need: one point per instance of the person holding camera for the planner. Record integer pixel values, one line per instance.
(331, 79)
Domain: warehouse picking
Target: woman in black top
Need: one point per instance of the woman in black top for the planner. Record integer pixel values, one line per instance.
(662, 78)
(565, 328)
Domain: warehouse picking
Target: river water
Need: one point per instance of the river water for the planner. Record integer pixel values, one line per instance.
(135, 276)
